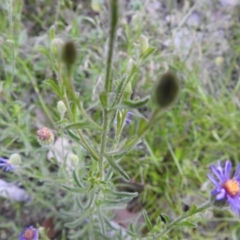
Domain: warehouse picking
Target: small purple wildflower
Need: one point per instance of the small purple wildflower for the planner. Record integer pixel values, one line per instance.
(227, 188)
(128, 119)
(29, 233)
(5, 163)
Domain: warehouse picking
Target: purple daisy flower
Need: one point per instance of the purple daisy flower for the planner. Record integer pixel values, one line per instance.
(227, 188)
(29, 233)
(5, 163)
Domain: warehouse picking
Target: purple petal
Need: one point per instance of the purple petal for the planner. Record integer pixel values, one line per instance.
(237, 172)
(213, 180)
(238, 179)
(221, 195)
(228, 167)
(234, 203)
(218, 174)
(215, 191)
(3, 160)
(3, 164)
(220, 168)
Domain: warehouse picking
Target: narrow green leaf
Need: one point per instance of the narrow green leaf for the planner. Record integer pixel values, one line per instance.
(151, 152)
(75, 189)
(54, 87)
(147, 220)
(132, 104)
(76, 179)
(107, 221)
(44, 51)
(187, 224)
(73, 136)
(62, 122)
(102, 222)
(115, 201)
(117, 168)
(132, 234)
(165, 217)
(79, 202)
(74, 109)
(82, 217)
(117, 154)
(91, 197)
(192, 209)
(142, 124)
(108, 175)
(52, 33)
(121, 194)
(113, 205)
(81, 125)
(130, 142)
(68, 213)
(78, 234)
(103, 99)
(147, 53)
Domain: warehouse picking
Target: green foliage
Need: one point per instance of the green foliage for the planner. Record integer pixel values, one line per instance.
(167, 152)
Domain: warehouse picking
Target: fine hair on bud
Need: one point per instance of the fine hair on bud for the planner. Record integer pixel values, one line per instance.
(56, 47)
(167, 90)
(61, 107)
(15, 159)
(69, 53)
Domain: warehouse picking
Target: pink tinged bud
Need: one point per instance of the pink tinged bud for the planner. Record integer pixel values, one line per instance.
(45, 136)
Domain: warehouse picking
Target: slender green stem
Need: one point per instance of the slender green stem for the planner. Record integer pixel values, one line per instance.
(70, 88)
(83, 112)
(72, 93)
(80, 134)
(182, 217)
(12, 40)
(59, 73)
(108, 81)
(129, 79)
(103, 142)
(123, 89)
(119, 129)
(114, 19)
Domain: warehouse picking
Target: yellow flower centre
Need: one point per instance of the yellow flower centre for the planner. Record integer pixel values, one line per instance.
(232, 187)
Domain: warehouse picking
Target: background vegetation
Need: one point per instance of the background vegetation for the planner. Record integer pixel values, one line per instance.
(198, 39)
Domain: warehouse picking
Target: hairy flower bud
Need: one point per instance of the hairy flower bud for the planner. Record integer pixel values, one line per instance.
(167, 90)
(74, 160)
(45, 136)
(69, 53)
(144, 45)
(219, 61)
(56, 47)
(61, 107)
(15, 159)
